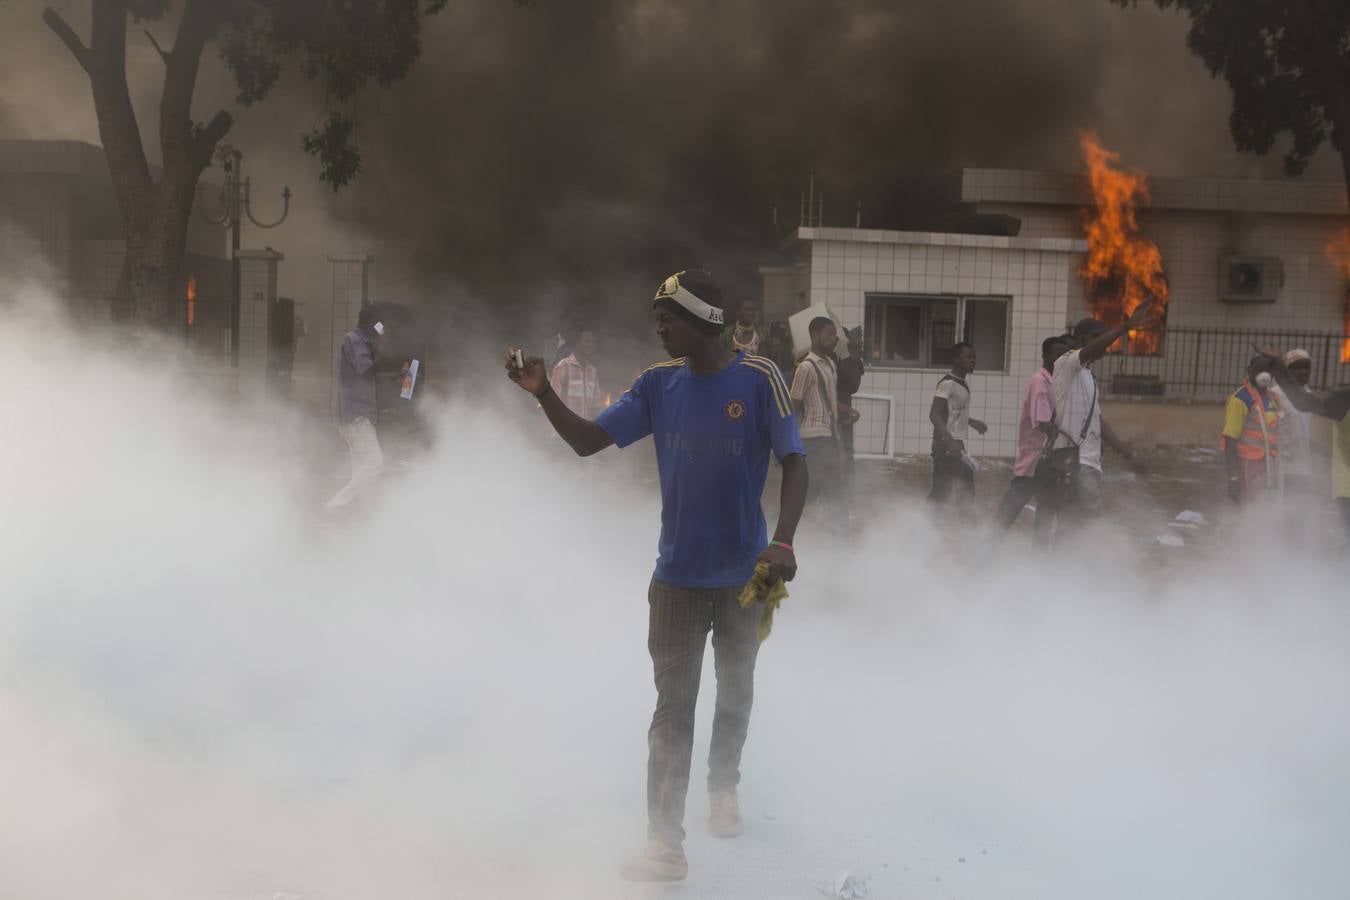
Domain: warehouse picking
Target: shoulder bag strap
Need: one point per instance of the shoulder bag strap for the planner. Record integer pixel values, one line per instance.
(1087, 423)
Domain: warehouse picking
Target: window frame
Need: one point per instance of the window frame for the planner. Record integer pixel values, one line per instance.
(925, 302)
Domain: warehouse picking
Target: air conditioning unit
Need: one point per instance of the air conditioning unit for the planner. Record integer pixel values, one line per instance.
(1250, 279)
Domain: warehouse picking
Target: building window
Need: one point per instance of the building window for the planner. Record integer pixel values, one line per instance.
(919, 332)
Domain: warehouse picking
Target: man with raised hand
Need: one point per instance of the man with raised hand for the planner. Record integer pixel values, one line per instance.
(1332, 404)
(1078, 412)
(714, 415)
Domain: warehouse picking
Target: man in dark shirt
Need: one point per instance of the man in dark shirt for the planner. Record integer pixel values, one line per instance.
(850, 370)
(357, 410)
(715, 416)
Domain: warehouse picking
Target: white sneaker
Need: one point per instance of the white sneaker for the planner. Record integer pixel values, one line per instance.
(724, 817)
(657, 862)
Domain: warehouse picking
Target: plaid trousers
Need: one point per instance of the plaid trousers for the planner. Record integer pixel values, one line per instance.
(678, 625)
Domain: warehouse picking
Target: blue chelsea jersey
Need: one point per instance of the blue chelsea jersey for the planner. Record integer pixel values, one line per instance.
(712, 435)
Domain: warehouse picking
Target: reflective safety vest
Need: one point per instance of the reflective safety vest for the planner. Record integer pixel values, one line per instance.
(1260, 431)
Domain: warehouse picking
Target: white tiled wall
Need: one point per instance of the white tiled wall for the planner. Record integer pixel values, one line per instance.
(847, 264)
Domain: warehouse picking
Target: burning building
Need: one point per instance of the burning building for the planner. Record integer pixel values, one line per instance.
(1229, 261)
(1232, 260)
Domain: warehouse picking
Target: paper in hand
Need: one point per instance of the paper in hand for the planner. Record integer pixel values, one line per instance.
(409, 380)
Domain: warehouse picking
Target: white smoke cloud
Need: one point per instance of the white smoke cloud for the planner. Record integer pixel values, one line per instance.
(205, 691)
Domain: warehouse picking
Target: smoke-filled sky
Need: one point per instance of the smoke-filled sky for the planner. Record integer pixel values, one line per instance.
(592, 145)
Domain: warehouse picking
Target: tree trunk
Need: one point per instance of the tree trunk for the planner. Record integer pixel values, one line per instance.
(154, 258)
(154, 213)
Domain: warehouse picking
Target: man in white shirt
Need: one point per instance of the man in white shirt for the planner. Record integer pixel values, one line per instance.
(953, 469)
(1078, 412)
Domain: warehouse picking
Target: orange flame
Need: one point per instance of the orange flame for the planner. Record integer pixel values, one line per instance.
(191, 299)
(1122, 270)
(1338, 251)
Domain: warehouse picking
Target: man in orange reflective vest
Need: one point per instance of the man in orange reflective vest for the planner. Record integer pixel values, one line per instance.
(1251, 434)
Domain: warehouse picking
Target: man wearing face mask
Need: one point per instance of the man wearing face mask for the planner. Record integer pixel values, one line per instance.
(1333, 404)
(1296, 447)
(1251, 435)
(357, 409)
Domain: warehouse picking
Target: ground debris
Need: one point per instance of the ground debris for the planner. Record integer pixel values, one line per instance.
(844, 886)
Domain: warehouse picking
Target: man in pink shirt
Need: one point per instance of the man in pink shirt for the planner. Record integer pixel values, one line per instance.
(574, 379)
(1034, 424)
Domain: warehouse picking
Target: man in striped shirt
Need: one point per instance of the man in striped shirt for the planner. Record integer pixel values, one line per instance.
(574, 378)
(815, 397)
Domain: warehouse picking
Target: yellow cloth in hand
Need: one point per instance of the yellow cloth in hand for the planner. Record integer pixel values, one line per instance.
(760, 590)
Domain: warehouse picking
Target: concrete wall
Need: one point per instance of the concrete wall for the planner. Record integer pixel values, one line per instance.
(846, 265)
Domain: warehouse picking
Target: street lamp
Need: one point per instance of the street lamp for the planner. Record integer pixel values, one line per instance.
(236, 203)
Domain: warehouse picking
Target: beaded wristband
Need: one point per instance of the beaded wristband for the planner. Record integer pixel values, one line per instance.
(786, 546)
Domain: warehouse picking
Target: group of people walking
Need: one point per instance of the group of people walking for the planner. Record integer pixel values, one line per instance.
(1060, 433)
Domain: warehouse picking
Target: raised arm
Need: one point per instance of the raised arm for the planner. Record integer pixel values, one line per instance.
(1303, 400)
(1096, 348)
(584, 436)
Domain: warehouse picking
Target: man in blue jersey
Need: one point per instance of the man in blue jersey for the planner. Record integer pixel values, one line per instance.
(714, 415)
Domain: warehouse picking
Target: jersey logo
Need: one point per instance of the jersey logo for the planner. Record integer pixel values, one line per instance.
(735, 410)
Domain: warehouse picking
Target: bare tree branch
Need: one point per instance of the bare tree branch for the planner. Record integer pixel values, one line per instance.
(207, 138)
(68, 36)
(158, 49)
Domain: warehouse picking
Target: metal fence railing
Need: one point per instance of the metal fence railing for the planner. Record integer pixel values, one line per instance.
(1207, 364)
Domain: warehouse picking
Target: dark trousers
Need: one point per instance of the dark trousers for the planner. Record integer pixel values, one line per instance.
(846, 461)
(1020, 492)
(1084, 502)
(952, 476)
(1072, 506)
(829, 485)
(678, 626)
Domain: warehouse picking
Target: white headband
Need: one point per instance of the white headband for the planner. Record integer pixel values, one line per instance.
(1294, 356)
(671, 289)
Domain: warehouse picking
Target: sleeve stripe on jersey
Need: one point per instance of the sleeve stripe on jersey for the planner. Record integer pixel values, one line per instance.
(665, 365)
(776, 377)
(784, 408)
(780, 388)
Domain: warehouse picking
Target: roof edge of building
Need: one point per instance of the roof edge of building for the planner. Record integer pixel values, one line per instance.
(942, 239)
(1204, 194)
